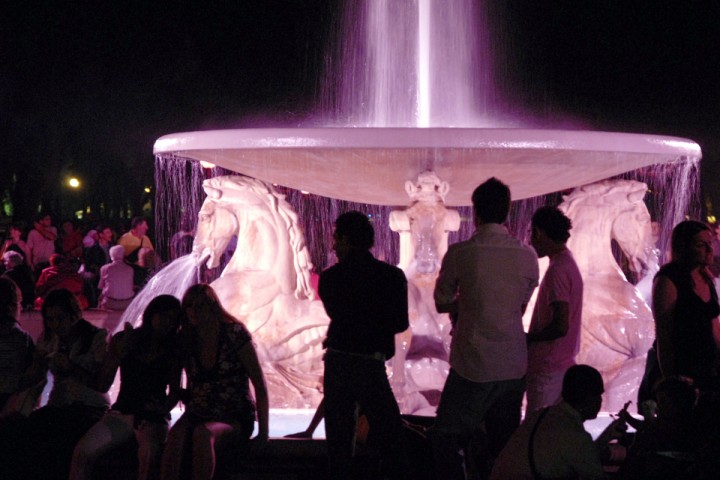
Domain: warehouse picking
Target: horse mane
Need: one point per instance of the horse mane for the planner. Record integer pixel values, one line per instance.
(606, 192)
(282, 209)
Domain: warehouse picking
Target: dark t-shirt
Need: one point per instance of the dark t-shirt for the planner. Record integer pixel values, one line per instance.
(695, 350)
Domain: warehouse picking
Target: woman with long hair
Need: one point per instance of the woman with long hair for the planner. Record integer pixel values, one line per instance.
(150, 369)
(685, 307)
(220, 363)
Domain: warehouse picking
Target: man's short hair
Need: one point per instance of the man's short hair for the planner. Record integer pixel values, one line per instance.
(357, 228)
(553, 222)
(137, 221)
(581, 382)
(38, 217)
(491, 201)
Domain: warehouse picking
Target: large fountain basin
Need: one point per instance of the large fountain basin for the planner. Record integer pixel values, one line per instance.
(370, 165)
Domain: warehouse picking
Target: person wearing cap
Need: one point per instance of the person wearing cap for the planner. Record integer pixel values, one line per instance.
(552, 442)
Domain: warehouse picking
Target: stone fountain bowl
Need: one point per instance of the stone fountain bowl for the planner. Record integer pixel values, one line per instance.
(370, 165)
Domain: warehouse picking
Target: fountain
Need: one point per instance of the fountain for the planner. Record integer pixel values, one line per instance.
(398, 141)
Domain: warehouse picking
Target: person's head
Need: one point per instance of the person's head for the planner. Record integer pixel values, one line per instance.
(57, 260)
(582, 388)
(105, 234)
(90, 238)
(200, 302)
(139, 226)
(12, 259)
(691, 244)
(117, 253)
(60, 311)
(10, 297)
(16, 230)
(43, 219)
(68, 226)
(161, 317)
(491, 202)
(352, 231)
(550, 230)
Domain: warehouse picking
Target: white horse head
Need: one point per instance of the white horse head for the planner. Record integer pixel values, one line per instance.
(610, 210)
(268, 235)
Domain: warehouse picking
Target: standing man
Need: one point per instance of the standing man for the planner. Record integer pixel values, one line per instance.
(485, 283)
(554, 335)
(366, 300)
(41, 242)
(135, 239)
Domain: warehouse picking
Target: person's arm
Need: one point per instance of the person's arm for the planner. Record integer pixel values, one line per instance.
(664, 302)
(174, 384)
(46, 347)
(249, 360)
(117, 350)
(314, 422)
(84, 367)
(558, 326)
(446, 286)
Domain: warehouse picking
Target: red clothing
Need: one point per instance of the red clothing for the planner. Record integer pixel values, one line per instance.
(53, 278)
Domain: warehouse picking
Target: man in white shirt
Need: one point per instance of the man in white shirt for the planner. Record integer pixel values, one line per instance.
(485, 283)
(554, 334)
(41, 242)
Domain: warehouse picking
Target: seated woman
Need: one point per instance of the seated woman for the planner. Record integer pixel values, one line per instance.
(74, 351)
(17, 270)
(149, 367)
(219, 409)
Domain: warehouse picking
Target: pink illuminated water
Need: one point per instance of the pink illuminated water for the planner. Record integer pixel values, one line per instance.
(411, 63)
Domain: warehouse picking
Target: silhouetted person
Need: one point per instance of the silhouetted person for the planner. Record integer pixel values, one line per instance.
(485, 283)
(552, 442)
(554, 334)
(366, 300)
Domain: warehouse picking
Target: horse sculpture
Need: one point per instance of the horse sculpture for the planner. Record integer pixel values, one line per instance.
(266, 283)
(618, 325)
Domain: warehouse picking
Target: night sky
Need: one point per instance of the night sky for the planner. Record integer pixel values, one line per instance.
(87, 87)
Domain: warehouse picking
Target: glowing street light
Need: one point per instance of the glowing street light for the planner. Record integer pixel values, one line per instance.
(73, 182)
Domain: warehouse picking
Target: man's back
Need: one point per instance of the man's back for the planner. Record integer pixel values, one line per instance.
(494, 276)
(366, 301)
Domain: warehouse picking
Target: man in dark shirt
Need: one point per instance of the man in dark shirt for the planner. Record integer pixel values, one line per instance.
(366, 300)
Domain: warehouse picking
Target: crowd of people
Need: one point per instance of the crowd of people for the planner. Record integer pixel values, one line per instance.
(84, 262)
(484, 284)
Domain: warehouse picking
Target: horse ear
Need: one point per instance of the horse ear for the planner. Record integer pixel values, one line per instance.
(636, 196)
(213, 193)
(410, 188)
